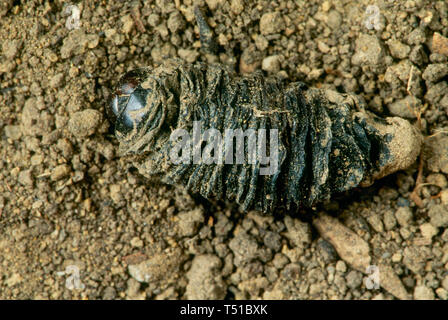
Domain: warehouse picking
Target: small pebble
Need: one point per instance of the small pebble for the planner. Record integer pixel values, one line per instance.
(398, 49)
(60, 172)
(334, 19)
(176, 22)
(437, 179)
(26, 178)
(84, 123)
(438, 215)
(423, 293)
(369, 50)
(57, 80)
(13, 132)
(417, 36)
(440, 44)
(136, 242)
(445, 283)
(354, 279)
(271, 22)
(341, 266)
(109, 293)
(428, 230)
(444, 196)
(406, 107)
(404, 216)
(435, 72)
(271, 64)
(389, 220)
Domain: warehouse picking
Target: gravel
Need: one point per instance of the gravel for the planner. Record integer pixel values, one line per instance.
(84, 123)
(67, 199)
(203, 282)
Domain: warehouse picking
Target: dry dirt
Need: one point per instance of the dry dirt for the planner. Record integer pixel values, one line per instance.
(78, 222)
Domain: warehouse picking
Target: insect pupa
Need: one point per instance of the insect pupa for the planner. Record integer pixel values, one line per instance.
(327, 142)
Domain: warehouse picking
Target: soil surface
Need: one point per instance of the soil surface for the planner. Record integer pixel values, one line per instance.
(78, 222)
